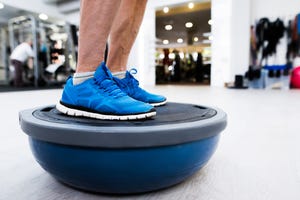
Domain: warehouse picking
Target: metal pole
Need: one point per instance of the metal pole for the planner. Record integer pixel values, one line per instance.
(36, 69)
(11, 34)
(4, 62)
(70, 49)
(7, 59)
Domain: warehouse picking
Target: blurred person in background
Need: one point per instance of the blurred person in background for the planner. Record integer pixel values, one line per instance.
(22, 53)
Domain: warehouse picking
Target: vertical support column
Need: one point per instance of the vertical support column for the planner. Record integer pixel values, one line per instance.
(4, 67)
(142, 55)
(240, 37)
(36, 66)
(221, 13)
(231, 40)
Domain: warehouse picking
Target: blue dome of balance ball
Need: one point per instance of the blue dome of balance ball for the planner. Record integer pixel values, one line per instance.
(122, 157)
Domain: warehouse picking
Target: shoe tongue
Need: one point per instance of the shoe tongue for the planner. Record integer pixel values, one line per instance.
(130, 79)
(102, 73)
(128, 75)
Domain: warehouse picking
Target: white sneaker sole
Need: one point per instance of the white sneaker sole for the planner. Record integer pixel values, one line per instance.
(81, 113)
(159, 104)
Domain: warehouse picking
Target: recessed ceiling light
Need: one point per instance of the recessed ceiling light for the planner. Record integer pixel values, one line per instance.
(172, 56)
(43, 16)
(181, 55)
(1, 5)
(179, 40)
(165, 41)
(196, 39)
(189, 24)
(191, 5)
(210, 22)
(206, 41)
(166, 9)
(168, 27)
(195, 55)
(161, 56)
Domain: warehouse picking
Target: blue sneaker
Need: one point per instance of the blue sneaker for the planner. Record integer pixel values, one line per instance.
(101, 98)
(130, 86)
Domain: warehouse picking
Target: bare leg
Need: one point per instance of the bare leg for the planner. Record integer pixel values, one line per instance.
(95, 24)
(123, 33)
(122, 36)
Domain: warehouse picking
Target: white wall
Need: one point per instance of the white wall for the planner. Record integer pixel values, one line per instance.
(274, 8)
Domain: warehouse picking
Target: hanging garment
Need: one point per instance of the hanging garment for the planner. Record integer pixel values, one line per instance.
(294, 43)
(253, 49)
(298, 34)
(268, 35)
(298, 24)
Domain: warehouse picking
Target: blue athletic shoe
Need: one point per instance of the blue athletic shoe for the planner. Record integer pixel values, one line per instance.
(130, 86)
(101, 98)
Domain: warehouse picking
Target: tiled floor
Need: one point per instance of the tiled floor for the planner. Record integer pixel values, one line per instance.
(258, 156)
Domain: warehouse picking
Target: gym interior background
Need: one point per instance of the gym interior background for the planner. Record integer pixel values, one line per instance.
(210, 52)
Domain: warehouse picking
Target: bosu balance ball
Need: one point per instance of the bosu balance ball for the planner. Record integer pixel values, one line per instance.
(122, 157)
(295, 78)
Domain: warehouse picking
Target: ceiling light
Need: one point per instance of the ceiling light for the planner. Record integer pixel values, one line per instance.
(195, 55)
(179, 40)
(43, 16)
(196, 39)
(165, 41)
(189, 24)
(1, 5)
(172, 56)
(181, 55)
(168, 27)
(191, 5)
(161, 56)
(166, 9)
(210, 22)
